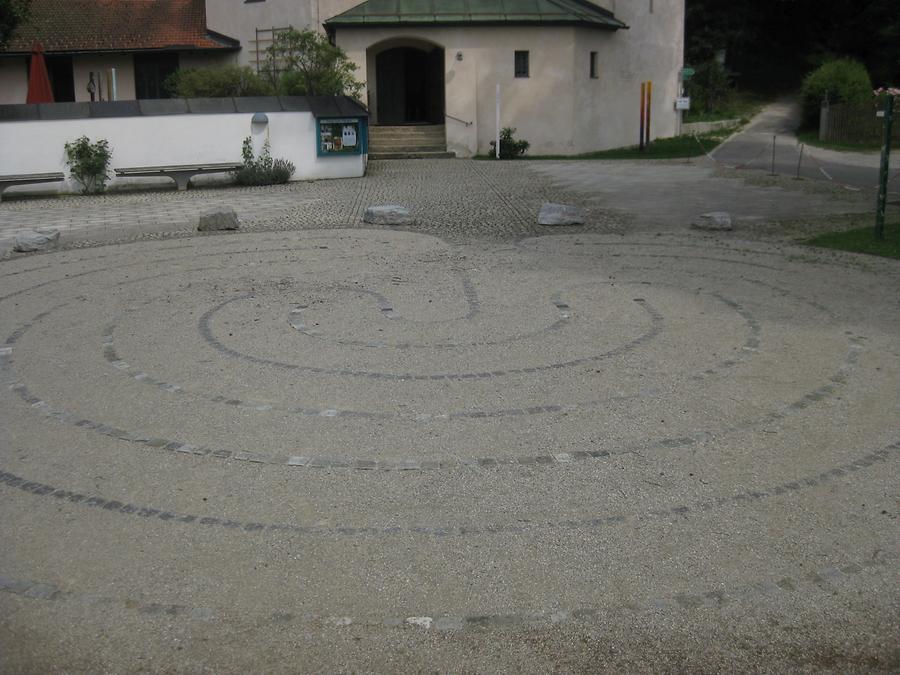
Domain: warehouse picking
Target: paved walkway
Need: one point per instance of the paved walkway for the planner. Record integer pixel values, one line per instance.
(453, 199)
(621, 448)
(774, 129)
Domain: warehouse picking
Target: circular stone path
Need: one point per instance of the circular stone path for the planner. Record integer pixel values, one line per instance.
(373, 450)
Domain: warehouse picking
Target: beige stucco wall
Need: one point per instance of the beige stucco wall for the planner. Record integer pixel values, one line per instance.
(13, 80)
(559, 109)
(651, 50)
(239, 20)
(82, 66)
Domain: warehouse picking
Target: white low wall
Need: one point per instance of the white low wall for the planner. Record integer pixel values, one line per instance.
(38, 146)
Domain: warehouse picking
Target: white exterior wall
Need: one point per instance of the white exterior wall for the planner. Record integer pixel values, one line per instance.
(559, 109)
(38, 146)
(82, 66)
(13, 80)
(651, 50)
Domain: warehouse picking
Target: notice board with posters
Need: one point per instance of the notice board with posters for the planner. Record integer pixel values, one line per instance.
(337, 136)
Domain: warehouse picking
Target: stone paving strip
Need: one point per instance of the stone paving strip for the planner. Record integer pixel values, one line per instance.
(524, 528)
(825, 580)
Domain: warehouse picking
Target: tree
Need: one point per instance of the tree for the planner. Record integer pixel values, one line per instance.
(306, 63)
(12, 13)
(778, 41)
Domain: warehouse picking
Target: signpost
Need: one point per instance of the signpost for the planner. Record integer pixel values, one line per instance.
(885, 167)
(687, 73)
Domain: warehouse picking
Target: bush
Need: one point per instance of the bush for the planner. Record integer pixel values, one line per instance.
(305, 63)
(89, 163)
(837, 81)
(262, 170)
(709, 88)
(213, 82)
(510, 148)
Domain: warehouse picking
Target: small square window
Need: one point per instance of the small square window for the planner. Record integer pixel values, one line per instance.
(522, 64)
(594, 74)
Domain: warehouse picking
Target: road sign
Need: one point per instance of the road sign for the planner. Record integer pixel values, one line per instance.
(683, 103)
(687, 73)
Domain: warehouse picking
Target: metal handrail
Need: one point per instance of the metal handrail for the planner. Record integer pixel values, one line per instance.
(468, 124)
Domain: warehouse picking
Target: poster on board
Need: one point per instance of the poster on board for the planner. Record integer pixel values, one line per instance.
(341, 136)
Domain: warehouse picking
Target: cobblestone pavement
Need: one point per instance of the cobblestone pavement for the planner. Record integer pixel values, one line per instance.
(346, 449)
(450, 198)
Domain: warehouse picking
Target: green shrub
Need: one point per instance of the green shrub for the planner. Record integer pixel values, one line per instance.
(709, 88)
(837, 81)
(218, 81)
(89, 163)
(305, 63)
(510, 148)
(262, 170)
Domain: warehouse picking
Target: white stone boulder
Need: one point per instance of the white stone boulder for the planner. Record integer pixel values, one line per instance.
(40, 239)
(715, 221)
(560, 214)
(388, 214)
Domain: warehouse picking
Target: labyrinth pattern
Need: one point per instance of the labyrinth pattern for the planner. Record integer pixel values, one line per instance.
(377, 435)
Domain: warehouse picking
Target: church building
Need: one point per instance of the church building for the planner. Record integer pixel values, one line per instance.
(566, 74)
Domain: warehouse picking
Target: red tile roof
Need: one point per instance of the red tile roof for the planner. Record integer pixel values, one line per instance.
(117, 25)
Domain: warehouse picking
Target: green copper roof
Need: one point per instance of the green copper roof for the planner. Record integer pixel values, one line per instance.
(377, 13)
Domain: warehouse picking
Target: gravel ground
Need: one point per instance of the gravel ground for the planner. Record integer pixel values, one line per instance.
(474, 447)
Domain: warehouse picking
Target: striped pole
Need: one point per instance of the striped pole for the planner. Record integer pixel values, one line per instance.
(643, 112)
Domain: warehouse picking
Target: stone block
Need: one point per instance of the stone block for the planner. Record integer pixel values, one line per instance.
(715, 221)
(219, 219)
(40, 239)
(389, 214)
(560, 214)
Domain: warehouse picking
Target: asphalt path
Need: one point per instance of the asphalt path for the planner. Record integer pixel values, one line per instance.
(774, 129)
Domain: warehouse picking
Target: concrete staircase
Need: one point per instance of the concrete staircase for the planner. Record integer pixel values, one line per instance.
(420, 141)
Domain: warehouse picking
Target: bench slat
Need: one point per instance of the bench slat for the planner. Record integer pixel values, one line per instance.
(32, 177)
(187, 167)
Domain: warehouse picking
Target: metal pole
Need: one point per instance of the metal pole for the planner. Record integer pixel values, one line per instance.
(498, 122)
(800, 161)
(643, 103)
(885, 167)
(649, 102)
(774, 138)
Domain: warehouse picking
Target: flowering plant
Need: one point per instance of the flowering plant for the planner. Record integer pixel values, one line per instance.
(887, 91)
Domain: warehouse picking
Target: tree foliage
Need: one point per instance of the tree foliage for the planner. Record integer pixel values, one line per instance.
(217, 81)
(837, 81)
(306, 63)
(12, 13)
(768, 40)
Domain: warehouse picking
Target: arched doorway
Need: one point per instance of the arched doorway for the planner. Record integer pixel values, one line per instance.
(410, 85)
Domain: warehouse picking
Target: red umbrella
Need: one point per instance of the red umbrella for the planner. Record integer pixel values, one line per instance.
(39, 90)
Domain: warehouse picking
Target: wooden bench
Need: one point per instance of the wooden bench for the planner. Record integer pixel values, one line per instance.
(181, 174)
(28, 179)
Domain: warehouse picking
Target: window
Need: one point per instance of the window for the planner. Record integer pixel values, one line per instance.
(594, 74)
(150, 73)
(521, 64)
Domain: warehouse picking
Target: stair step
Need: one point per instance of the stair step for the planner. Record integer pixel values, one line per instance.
(407, 147)
(412, 155)
(408, 141)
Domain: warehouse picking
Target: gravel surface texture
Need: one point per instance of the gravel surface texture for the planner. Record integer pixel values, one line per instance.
(473, 445)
